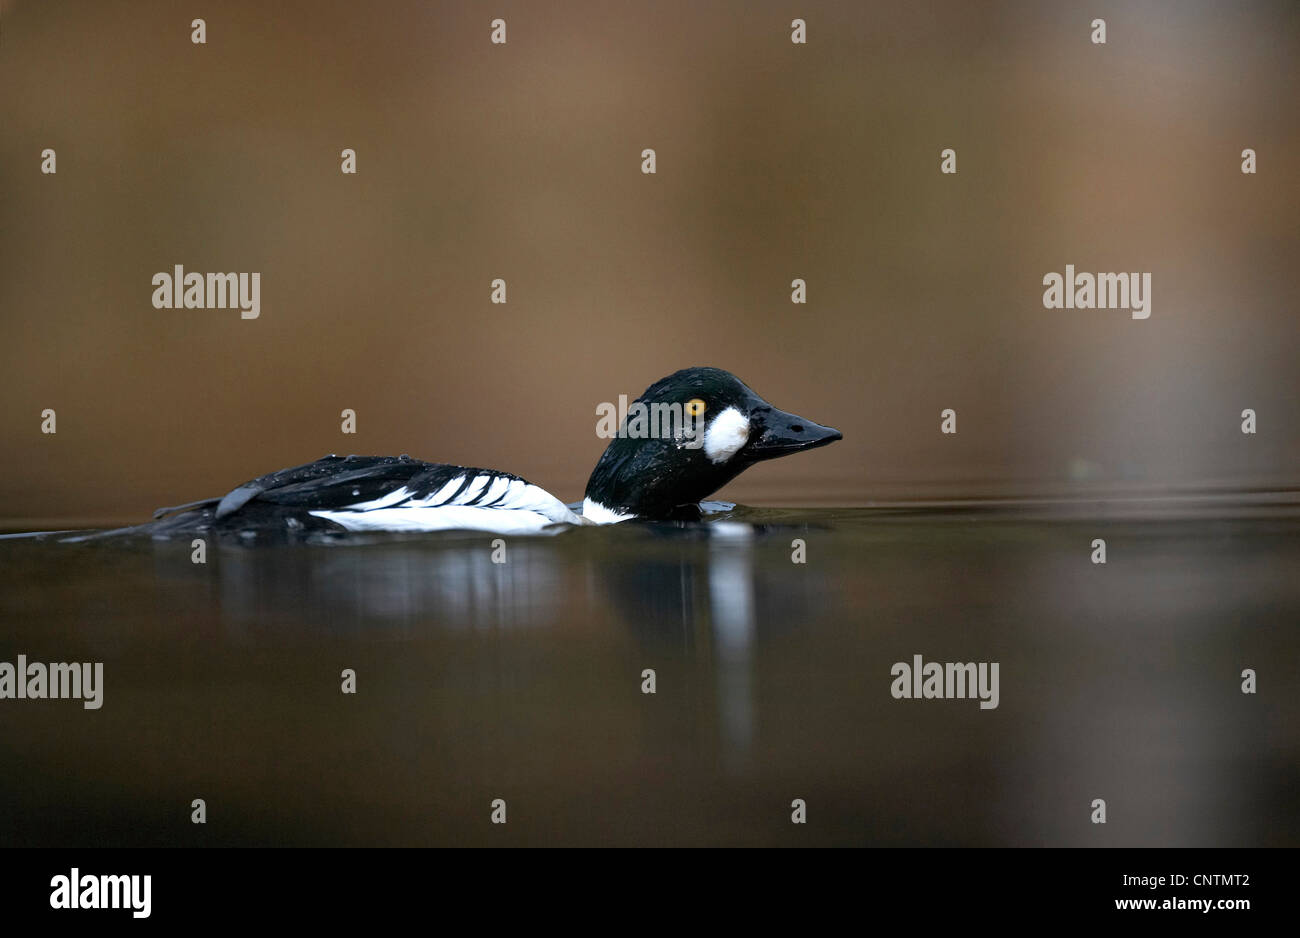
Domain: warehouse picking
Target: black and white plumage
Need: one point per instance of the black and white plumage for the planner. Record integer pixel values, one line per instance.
(387, 493)
(663, 476)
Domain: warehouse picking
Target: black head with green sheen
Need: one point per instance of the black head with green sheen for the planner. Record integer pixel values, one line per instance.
(694, 432)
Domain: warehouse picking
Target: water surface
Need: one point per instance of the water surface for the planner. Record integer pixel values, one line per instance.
(522, 681)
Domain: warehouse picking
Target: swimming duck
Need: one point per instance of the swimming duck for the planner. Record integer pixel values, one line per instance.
(723, 429)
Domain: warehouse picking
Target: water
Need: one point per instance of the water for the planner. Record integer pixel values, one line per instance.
(522, 681)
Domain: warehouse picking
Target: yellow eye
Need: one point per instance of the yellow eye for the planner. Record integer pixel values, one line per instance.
(695, 407)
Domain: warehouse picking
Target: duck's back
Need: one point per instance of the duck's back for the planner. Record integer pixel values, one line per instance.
(383, 493)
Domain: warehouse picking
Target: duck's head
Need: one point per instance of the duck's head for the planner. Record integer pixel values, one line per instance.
(694, 432)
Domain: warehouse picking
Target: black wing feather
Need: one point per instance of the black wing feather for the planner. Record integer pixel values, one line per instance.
(339, 482)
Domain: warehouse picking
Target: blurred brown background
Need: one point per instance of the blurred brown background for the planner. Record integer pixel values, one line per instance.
(522, 161)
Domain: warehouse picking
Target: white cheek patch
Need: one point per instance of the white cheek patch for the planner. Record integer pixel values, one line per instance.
(727, 434)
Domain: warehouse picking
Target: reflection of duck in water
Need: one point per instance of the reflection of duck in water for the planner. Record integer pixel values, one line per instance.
(701, 602)
(720, 428)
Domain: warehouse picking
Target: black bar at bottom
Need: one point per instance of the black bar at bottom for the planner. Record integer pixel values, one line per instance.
(247, 886)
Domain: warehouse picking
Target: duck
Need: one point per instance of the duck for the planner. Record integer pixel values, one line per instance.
(722, 428)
